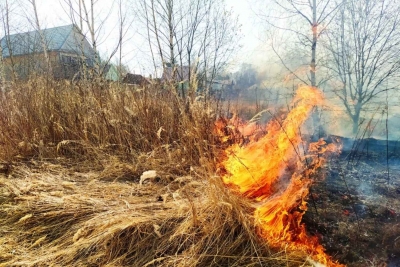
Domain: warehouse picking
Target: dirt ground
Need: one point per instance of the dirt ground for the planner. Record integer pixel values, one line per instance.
(355, 210)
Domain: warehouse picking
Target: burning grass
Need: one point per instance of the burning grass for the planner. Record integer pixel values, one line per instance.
(276, 171)
(70, 194)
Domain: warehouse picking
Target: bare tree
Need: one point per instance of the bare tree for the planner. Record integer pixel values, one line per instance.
(36, 24)
(196, 34)
(364, 42)
(93, 17)
(6, 8)
(161, 18)
(224, 39)
(88, 17)
(123, 26)
(305, 22)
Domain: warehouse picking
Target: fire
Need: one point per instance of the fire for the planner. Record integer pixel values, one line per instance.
(276, 171)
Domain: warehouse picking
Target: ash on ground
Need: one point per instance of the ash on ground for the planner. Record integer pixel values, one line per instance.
(355, 210)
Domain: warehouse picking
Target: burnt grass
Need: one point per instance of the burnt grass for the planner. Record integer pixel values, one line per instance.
(354, 206)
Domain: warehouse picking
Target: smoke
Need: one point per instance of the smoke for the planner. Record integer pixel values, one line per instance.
(264, 86)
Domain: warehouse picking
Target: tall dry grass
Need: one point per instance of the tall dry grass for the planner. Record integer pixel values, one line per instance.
(50, 119)
(54, 214)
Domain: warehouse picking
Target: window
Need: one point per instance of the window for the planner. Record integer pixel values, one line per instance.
(66, 59)
(74, 61)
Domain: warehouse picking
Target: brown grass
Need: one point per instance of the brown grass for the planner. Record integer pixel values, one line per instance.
(71, 159)
(48, 119)
(51, 217)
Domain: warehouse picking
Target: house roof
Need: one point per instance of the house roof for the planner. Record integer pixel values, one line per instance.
(223, 82)
(57, 38)
(135, 79)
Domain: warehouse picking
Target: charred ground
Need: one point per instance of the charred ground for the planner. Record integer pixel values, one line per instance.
(355, 209)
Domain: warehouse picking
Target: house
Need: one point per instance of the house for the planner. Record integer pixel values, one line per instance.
(219, 85)
(176, 73)
(111, 73)
(135, 79)
(68, 50)
(179, 75)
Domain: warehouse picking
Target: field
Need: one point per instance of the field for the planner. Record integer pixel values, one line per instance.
(72, 157)
(108, 175)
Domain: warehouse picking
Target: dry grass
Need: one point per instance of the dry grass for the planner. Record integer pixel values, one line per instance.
(49, 119)
(69, 189)
(52, 217)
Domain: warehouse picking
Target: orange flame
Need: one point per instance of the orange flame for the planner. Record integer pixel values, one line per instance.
(276, 172)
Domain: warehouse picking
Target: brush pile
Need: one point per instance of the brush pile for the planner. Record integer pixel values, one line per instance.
(70, 191)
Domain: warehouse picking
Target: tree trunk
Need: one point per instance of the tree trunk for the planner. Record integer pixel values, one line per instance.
(2, 69)
(156, 32)
(316, 116)
(314, 44)
(42, 38)
(355, 124)
(356, 118)
(6, 21)
(171, 29)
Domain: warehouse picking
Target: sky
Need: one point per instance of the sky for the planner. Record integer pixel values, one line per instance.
(248, 18)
